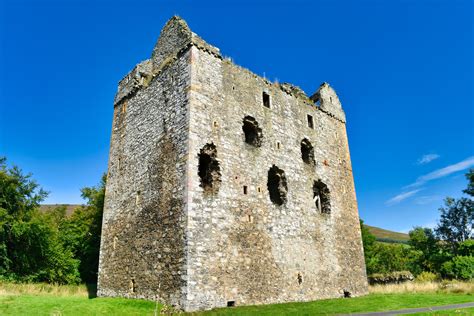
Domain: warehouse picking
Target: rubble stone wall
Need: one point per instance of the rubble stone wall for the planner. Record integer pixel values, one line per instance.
(143, 235)
(242, 246)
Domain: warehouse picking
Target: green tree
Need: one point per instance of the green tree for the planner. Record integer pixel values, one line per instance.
(385, 258)
(81, 232)
(457, 221)
(461, 267)
(431, 255)
(368, 241)
(470, 186)
(30, 248)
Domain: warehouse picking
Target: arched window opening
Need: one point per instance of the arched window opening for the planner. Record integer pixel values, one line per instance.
(277, 186)
(253, 134)
(209, 170)
(307, 151)
(321, 197)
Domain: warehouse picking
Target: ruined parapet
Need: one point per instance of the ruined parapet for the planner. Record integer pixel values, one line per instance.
(175, 38)
(328, 101)
(139, 77)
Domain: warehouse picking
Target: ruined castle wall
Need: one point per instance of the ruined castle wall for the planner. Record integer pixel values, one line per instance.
(143, 236)
(242, 247)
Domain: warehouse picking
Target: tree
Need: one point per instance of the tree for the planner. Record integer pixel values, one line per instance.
(431, 254)
(385, 258)
(368, 239)
(30, 248)
(457, 221)
(470, 186)
(81, 232)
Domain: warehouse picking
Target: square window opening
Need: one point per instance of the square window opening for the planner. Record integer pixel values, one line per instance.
(266, 99)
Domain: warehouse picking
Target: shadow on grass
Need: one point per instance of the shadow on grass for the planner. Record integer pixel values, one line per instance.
(92, 290)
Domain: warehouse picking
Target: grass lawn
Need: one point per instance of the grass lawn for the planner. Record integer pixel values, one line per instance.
(45, 304)
(72, 305)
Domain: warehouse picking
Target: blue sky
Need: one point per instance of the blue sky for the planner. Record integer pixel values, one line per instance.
(403, 70)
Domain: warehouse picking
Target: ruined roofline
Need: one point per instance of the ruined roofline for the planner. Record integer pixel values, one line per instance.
(175, 39)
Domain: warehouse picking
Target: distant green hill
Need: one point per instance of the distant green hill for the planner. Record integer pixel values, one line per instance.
(69, 207)
(387, 235)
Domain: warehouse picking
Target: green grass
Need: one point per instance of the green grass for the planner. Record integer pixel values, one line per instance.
(45, 304)
(370, 303)
(70, 305)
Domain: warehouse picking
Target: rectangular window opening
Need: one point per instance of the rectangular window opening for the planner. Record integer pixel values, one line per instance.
(278, 145)
(245, 189)
(230, 303)
(266, 99)
(310, 121)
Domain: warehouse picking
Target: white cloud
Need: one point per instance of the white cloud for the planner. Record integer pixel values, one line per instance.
(402, 196)
(443, 172)
(427, 159)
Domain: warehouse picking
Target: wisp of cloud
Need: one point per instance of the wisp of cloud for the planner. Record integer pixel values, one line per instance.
(402, 196)
(446, 171)
(427, 159)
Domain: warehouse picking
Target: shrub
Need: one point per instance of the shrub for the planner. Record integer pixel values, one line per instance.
(461, 268)
(426, 276)
(466, 248)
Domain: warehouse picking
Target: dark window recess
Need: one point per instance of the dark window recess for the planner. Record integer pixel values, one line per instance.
(310, 121)
(307, 151)
(209, 170)
(245, 189)
(253, 133)
(347, 294)
(132, 286)
(321, 197)
(230, 303)
(266, 99)
(300, 278)
(277, 186)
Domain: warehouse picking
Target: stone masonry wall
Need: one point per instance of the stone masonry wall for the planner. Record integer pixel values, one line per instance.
(143, 235)
(242, 247)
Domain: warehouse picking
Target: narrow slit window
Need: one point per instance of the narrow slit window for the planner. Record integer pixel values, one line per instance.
(245, 189)
(266, 99)
(310, 121)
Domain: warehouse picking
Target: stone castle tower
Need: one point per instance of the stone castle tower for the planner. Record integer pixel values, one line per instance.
(224, 188)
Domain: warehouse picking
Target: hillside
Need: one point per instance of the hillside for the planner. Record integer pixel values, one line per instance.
(384, 234)
(69, 207)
